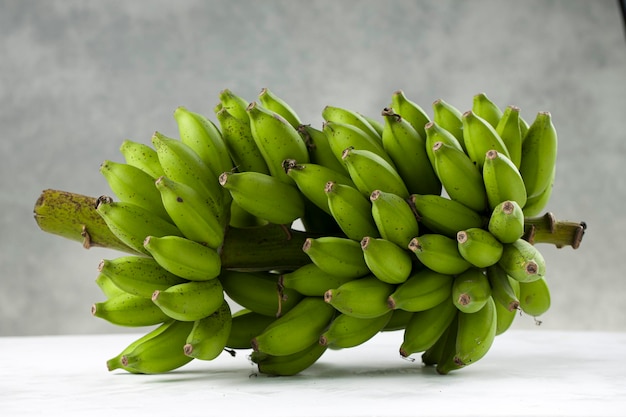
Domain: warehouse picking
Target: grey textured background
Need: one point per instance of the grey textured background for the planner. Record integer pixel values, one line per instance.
(79, 77)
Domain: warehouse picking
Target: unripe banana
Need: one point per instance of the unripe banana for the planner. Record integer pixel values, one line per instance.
(479, 137)
(504, 318)
(237, 135)
(387, 261)
(276, 139)
(196, 216)
(310, 280)
(407, 149)
(338, 256)
(479, 247)
(449, 118)
(426, 327)
(504, 290)
(422, 291)
(163, 352)
(138, 275)
(398, 321)
(272, 102)
(370, 172)
(143, 157)
(107, 286)
(510, 131)
(264, 196)
(375, 123)
(471, 290)
(132, 185)
(394, 218)
(129, 310)
(439, 253)
(502, 180)
(342, 136)
(259, 292)
(240, 218)
(486, 109)
(245, 325)
(347, 331)
(536, 205)
(539, 151)
(234, 104)
(434, 134)
(311, 180)
(461, 179)
(351, 210)
(320, 151)
(190, 301)
(131, 223)
(446, 353)
(209, 335)
(443, 215)
(296, 330)
(433, 354)
(522, 261)
(201, 135)
(362, 298)
(288, 365)
(534, 297)
(410, 111)
(506, 222)
(352, 118)
(184, 257)
(476, 333)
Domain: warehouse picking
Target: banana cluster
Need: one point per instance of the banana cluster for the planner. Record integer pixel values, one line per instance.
(413, 223)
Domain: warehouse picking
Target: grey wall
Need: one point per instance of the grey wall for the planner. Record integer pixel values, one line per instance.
(79, 77)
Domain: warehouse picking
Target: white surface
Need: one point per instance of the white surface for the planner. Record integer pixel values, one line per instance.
(526, 373)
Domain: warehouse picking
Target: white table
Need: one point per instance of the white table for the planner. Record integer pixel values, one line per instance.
(527, 372)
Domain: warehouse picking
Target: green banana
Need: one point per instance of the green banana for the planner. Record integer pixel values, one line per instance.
(461, 179)
(450, 119)
(486, 109)
(288, 365)
(504, 318)
(193, 214)
(502, 180)
(534, 297)
(143, 157)
(276, 139)
(311, 179)
(446, 351)
(160, 353)
(320, 151)
(259, 292)
(183, 257)
(426, 327)
(476, 333)
(107, 286)
(347, 331)
(190, 301)
(522, 261)
(203, 136)
(439, 253)
(443, 215)
(536, 205)
(129, 310)
(387, 261)
(351, 211)
(471, 290)
(264, 196)
(209, 335)
(246, 324)
(433, 354)
(295, 330)
(132, 185)
(336, 255)
(237, 134)
(394, 218)
(240, 218)
(408, 151)
(342, 136)
(352, 118)
(370, 172)
(398, 321)
(131, 223)
(234, 104)
(272, 102)
(539, 150)
(510, 131)
(362, 298)
(504, 290)
(506, 222)
(410, 111)
(138, 275)
(310, 280)
(479, 247)
(479, 137)
(434, 134)
(422, 291)
(376, 124)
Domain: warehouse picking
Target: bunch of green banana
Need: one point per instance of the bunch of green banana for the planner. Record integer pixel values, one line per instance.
(414, 223)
